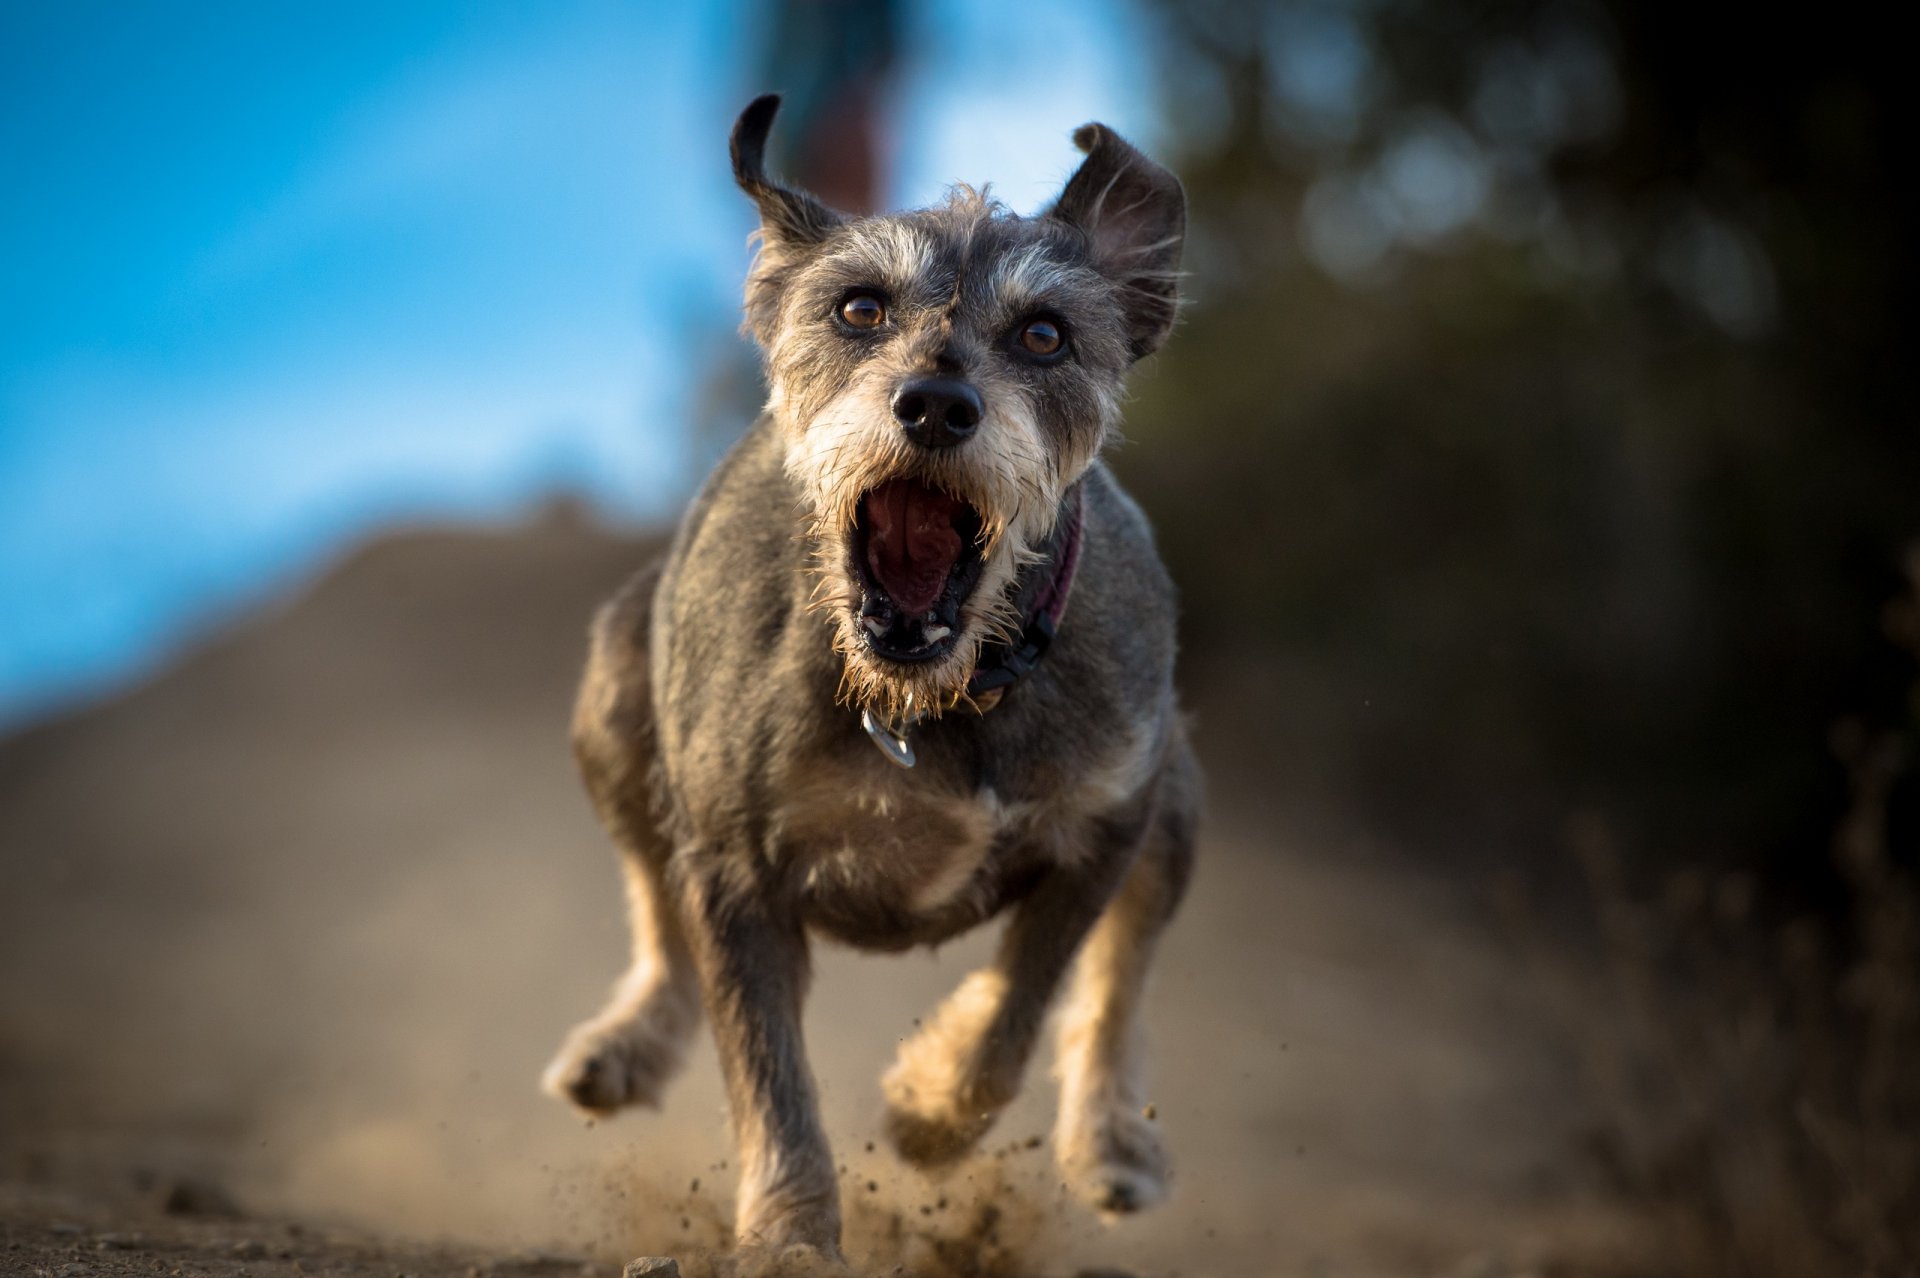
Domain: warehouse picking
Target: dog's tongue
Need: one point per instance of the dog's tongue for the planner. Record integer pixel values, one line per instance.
(912, 543)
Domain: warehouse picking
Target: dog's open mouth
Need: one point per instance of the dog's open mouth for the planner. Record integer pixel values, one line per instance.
(916, 555)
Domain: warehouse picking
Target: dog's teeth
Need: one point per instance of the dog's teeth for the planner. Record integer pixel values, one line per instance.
(874, 624)
(934, 634)
(927, 620)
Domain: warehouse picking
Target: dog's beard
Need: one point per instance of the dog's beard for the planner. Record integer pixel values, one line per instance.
(1006, 475)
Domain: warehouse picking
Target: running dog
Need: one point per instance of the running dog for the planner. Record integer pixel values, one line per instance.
(907, 666)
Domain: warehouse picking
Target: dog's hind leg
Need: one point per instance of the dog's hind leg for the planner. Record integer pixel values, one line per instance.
(1108, 1148)
(627, 1052)
(954, 1076)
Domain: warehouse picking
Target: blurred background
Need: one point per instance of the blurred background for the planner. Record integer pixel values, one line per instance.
(1530, 458)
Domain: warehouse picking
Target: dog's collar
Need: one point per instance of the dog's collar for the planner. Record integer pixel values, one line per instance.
(1003, 665)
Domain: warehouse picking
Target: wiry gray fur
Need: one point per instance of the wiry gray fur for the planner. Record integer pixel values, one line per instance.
(717, 725)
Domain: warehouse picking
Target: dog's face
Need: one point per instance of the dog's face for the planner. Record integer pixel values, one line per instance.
(942, 378)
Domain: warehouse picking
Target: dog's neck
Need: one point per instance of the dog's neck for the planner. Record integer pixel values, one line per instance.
(1041, 601)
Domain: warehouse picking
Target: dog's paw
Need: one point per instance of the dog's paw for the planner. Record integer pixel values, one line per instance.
(617, 1060)
(791, 1232)
(1114, 1162)
(933, 1116)
(948, 1083)
(931, 1135)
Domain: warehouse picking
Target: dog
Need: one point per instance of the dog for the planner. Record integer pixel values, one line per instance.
(907, 665)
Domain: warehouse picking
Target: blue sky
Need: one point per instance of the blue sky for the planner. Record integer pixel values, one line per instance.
(277, 276)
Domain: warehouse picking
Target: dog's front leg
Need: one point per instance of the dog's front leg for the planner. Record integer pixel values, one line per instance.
(953, 1077)
(751, 951)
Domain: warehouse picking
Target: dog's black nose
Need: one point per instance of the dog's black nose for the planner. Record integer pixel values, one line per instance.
(938, 412)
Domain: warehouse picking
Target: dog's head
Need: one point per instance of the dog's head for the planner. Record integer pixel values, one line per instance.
(941, 379)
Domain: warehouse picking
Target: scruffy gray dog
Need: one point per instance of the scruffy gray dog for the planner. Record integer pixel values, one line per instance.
(916, 548)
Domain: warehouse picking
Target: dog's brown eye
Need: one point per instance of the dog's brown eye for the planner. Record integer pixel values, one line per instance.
(1042, 337)
(863, 310)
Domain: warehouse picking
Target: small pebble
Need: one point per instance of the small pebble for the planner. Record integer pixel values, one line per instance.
(652, 1267)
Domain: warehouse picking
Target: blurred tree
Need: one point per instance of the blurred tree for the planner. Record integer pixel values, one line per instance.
(832, 63)
(832, 60)
(1534, 444)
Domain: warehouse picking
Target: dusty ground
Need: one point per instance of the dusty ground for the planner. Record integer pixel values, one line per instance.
(113, 1230)
(303, 917)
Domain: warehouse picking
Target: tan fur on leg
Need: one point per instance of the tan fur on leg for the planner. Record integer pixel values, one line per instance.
(1109, 1151)
(627, 1052)
(953, 1078)
(939, 1100)
(785, 1212)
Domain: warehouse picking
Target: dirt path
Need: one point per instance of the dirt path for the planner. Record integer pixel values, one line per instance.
(344, 898)
(108, 1233)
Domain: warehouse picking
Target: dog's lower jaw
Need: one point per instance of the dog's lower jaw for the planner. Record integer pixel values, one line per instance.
(896, 691)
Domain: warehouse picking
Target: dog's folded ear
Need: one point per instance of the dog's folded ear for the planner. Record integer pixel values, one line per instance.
(791, 221)
(1134, 215)
(786, 214)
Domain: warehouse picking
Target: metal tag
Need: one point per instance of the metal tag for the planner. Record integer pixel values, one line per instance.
(891, 743)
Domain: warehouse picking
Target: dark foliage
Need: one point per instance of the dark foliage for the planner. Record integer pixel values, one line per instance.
(1534, 443)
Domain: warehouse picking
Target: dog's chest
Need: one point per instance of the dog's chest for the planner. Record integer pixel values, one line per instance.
(890, 857)
(894, 844)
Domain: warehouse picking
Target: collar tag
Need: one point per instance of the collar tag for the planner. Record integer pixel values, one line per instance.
(889, 740)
